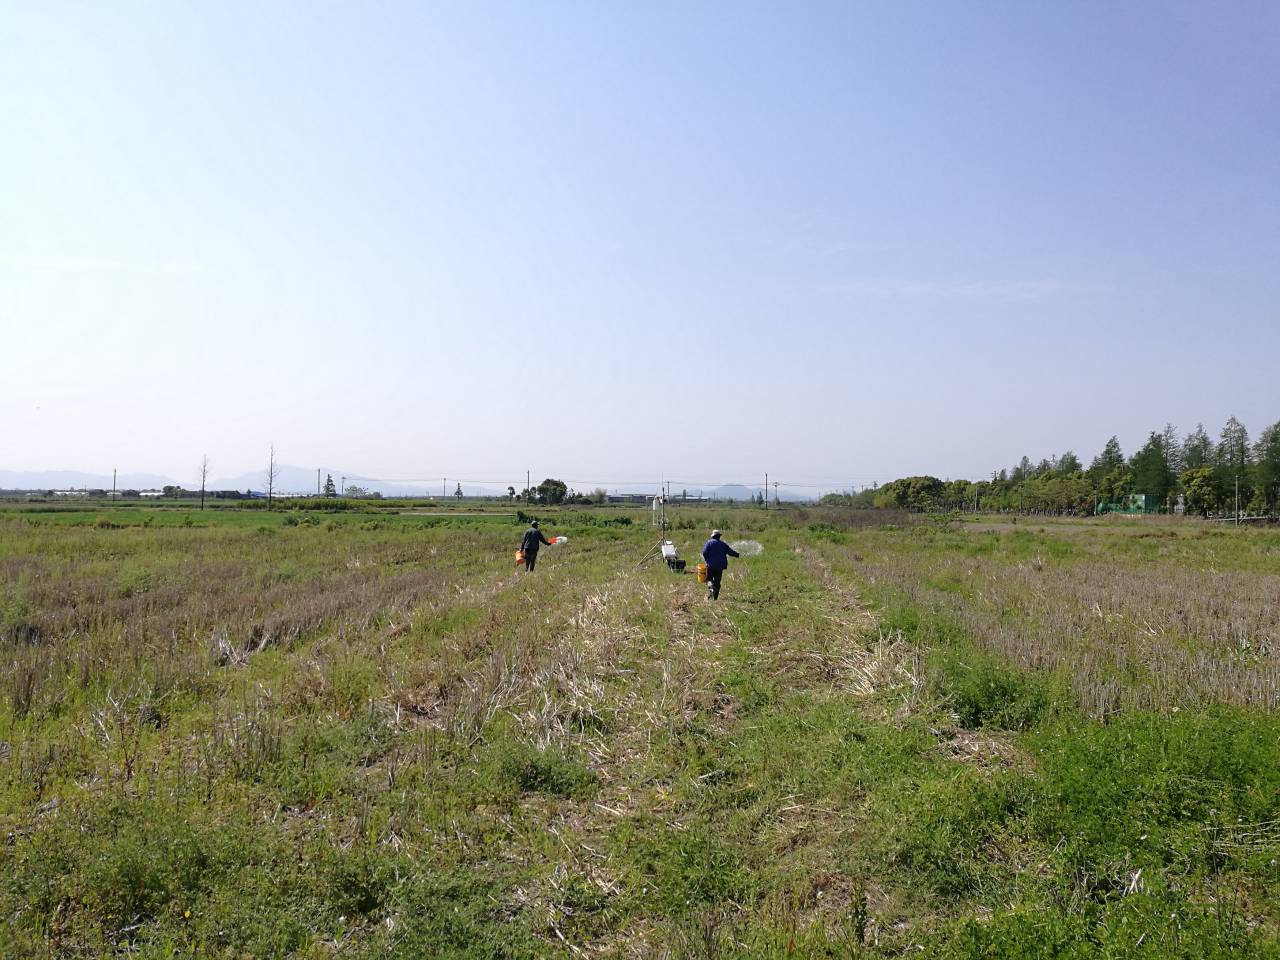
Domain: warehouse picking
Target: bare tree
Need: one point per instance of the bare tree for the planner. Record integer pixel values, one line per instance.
(204, 477)
(273, 471)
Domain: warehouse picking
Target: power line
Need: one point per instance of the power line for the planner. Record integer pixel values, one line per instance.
(654, 484)
(633, 482)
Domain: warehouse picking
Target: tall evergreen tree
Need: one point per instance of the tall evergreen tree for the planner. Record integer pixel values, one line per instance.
(1150, 468)
(1200, 489)
(1172, 449)
(1116, 485)
(1197, 449)
(1233, 446)
(1266, 469)
(1231, 466)
(1107, 462)
(1069, 463)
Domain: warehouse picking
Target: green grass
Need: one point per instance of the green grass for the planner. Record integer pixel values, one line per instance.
(286, 733)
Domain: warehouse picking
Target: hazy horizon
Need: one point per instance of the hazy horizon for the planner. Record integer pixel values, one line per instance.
(838, 243)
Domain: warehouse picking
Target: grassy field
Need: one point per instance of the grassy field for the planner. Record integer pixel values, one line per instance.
(242, 733)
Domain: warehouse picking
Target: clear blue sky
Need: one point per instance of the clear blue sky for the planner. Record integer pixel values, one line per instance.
(832, 241)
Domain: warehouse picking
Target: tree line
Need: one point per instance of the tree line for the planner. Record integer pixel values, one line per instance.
(1209, 477)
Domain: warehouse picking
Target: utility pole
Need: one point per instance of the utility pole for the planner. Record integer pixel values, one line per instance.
(113, 484)
(528, 493)
(776, 501)
(272, 472)
(317, 481)
(342, 489)
(766, 489)
(1237, 498)
(444, 487)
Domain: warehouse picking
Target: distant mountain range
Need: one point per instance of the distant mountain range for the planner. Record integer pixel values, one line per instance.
(290, 479)
(293, 479)
(302, 480)
(75, 480)
(739, 493)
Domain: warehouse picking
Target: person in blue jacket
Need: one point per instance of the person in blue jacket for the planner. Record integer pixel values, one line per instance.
(716, 554)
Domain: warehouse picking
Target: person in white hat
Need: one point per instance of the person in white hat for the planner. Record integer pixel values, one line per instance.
(716, 554)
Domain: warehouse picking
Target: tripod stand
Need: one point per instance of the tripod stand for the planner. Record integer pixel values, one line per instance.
(664, 548)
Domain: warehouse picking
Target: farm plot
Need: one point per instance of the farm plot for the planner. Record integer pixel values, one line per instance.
(372, 737)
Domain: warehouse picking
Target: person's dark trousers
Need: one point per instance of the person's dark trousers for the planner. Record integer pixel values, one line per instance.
(713, 582)
(530, 558)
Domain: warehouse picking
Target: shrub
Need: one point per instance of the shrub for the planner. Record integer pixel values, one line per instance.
(1151, 789)
(825, 531)
(682, 869)
(942, 826)
(455, 916)
(987, 693)
(15, 616)
(358, 881)
(132, 581)
(112, 860)
(529, 770)
(1150, 926)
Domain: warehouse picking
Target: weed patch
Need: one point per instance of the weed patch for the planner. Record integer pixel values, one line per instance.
(987, 693)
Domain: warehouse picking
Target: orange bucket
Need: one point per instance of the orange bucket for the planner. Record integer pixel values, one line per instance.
(702, 572)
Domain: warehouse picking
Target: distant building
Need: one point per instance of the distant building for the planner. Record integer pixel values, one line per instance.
(1133, 503)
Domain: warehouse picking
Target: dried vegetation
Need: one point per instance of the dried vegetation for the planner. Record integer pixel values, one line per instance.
(375, 739)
